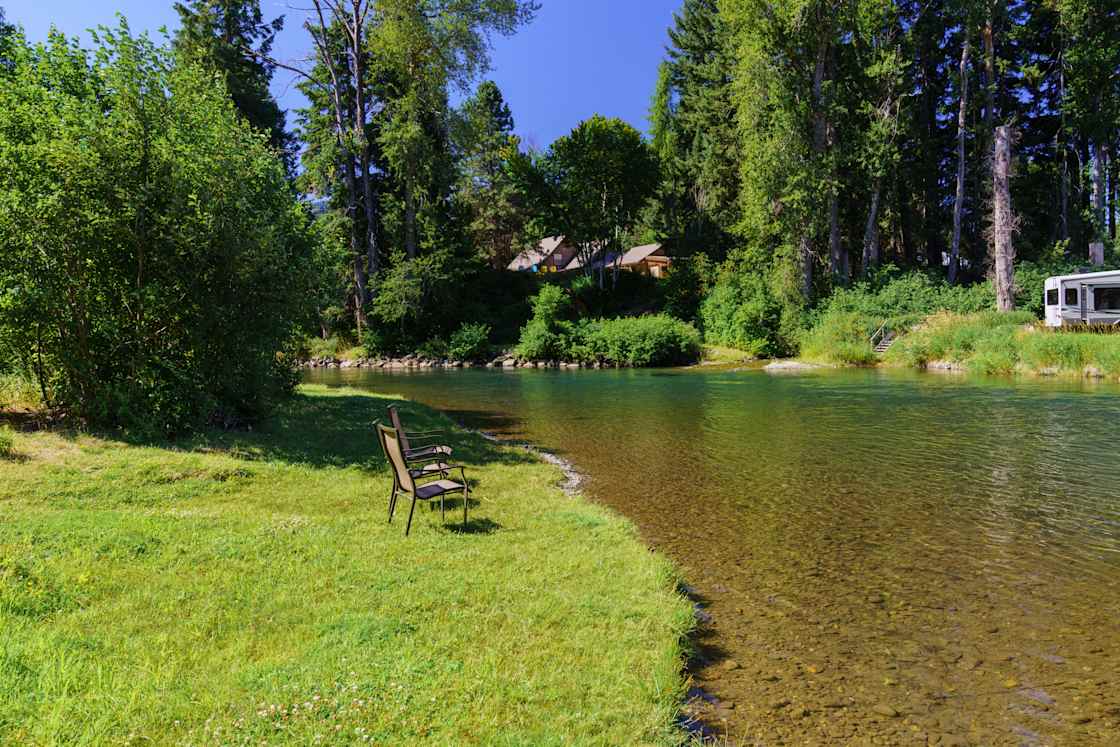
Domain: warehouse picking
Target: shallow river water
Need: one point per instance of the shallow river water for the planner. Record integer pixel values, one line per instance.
(882, 558)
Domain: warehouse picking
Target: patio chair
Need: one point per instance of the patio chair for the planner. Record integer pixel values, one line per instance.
(424, 452)
(425, 484)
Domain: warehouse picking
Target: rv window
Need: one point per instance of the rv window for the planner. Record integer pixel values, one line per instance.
(1071, 297)
(1052, 297)
(1106, 299)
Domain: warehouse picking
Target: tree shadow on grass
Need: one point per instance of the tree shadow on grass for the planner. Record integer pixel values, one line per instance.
(338, 431)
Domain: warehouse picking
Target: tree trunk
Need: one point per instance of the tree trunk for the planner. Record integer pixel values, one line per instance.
(989, 78)
(838, 256)
(871, 232)
(1063, 199)
(410, 219)
(1097, 203)
(930, 236)
(820, 136)
(1003, 222)
(361, 294)
(1111, 195)
(1062, 153)
(962, 134)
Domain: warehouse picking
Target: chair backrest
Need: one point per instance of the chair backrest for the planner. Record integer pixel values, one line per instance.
(396, 418)
(391, 445)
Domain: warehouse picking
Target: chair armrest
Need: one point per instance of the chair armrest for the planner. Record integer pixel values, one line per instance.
(441, 470)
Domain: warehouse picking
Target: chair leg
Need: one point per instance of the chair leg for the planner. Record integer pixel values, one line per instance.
(392, 503)
(442, 511)
(466, 495)
(408, 528)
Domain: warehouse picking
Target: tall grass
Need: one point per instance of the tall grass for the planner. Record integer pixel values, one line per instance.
(19, 391)
(993, 343)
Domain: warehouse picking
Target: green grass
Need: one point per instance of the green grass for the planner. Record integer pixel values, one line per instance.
(246, 588)
(993, 343)
(718, 355)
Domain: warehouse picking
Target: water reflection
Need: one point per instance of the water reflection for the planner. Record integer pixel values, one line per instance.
(883, 556)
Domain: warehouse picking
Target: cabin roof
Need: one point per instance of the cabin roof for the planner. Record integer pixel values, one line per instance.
(534, 255)
(640, 253)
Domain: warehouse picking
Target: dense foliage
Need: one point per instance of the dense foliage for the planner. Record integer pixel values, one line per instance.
(232, 38)
(152, 255)
(557, 333)
(861, 135)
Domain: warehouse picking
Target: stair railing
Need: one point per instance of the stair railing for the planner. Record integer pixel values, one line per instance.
(879, 334)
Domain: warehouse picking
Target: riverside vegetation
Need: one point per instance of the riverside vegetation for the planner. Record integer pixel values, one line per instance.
(244, 587)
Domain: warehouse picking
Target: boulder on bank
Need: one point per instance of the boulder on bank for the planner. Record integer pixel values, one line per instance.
(784, 366)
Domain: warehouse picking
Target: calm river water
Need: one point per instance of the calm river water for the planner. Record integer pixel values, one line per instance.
(889, 558)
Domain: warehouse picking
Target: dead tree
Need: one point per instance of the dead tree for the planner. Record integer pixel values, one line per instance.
(962, 134)
(1003, 221)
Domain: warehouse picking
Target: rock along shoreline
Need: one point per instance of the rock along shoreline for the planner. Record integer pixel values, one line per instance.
(420, 362)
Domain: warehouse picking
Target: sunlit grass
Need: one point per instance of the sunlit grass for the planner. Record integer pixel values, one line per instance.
(1007, 343)
(246, 588)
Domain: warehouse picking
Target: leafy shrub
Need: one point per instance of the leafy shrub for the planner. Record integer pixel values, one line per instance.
(173, 296)
(7, 442)
(641, 341)
(434, 348)
(317, 347)
(628, 341)
(548, 335)
(19, 390)
(741, 311)
(891, 295)
(471, 342)
(685, 285)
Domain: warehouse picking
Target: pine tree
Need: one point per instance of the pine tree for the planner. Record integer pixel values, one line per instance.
(233, 37)
(486, 144)
(693, 117)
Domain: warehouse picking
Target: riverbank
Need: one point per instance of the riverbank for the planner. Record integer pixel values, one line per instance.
(241, 587)
(986, 343)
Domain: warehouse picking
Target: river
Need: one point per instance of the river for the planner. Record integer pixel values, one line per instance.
(880, 557)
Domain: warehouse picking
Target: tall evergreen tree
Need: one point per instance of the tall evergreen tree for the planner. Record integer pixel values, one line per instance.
(487, 185)
(232, 37)
(693, 117)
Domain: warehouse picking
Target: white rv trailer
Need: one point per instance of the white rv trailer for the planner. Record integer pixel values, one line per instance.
(1089, 298)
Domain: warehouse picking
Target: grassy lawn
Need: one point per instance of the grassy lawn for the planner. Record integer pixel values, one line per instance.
(246, 588)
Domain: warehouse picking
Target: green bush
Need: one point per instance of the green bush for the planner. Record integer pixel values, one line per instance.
(628, 341)
(7, 442)
(176, 273)
(640, 341)
(434, 348)
(549, 335)
(741, 311)
(840, 337)
(317, 347)
(19, 390)
(892, 295)
(471, 342)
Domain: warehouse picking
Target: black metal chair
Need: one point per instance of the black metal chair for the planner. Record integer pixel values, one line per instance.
(422, 453)
(424, 484)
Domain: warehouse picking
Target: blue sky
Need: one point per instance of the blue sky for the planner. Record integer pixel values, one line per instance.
(580, 57)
